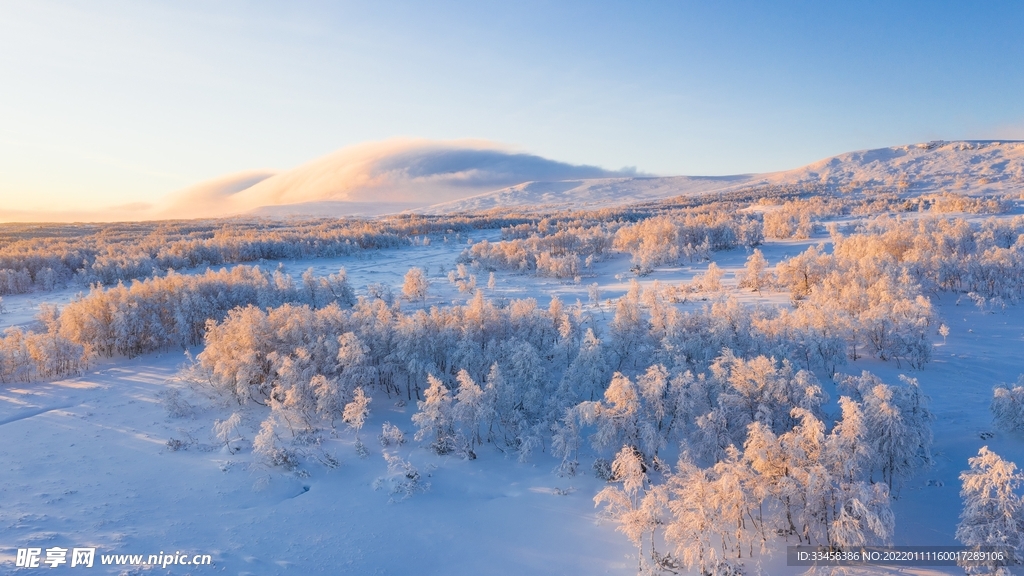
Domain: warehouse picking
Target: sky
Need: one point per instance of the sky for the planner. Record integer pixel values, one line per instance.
(118, 103)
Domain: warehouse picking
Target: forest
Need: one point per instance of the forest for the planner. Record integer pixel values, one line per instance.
(703, 404)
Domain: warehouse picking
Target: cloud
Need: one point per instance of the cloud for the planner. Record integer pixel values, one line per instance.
(209, 198)
(371, 178)
(398, 174)
(475, 167)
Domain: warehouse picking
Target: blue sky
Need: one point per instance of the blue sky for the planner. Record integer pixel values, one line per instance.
(118, 102)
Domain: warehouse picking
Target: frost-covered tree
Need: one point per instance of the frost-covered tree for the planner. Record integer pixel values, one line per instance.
(993, 513)
(657, 408)
(472, 408)
(522, 392)
(754, 274)
(226, 430)
(711, 279)
(357, 410)
(634, 507)
(415, 285)
(268, 447)
(434, 418)
(403, 479)
(617, 418)
(587, 373)
(898, 425)
(327, 393)
(1008, 406)
(391, 435)
(692, 527)
(566, 442)
(864, 516)
(710, 435)
(847, 450)
(352, 361)
(764, 390)
(629, 330)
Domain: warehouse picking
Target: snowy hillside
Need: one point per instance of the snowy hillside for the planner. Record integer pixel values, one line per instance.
(444, 177)
(976, 167)
(596, 193)
(392, 177)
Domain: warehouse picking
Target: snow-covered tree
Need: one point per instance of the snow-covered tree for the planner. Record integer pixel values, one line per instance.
(617, 418)
(566, 442)
(710, 436)
(434, 418)
(898, 425)
(711, 279)
(227, 430)
(415, 285)
(864, 517)
(694, 521)
(635, 507)
(993, 513)
(629, 330)
(587, 373)
(357, 410)
(391, 435)
(1008, 406)
(472, 408)
(657, 409)
(764, 390)
(754, 274)
(847, 450)
(328, 397)
(268, 447)
(403, 479)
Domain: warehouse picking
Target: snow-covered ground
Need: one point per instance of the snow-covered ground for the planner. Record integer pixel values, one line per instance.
(86, 464)
(87, 461)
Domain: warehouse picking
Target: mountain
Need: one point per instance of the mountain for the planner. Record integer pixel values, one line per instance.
(453, 176)
(969, 167)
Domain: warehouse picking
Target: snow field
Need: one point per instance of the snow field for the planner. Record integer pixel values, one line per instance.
(88, 462)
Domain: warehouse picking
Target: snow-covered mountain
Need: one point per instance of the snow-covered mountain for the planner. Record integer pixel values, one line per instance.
(454, 176)
(441, 178)
(972, 167)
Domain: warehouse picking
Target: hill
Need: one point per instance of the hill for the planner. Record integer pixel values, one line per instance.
(966, 167)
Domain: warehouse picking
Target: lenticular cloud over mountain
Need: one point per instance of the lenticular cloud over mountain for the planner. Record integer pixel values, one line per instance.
(375, 178)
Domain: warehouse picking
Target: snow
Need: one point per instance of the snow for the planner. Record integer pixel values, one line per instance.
(442, 177)
(86, 465)
(595, 193)
(975, 167)
(86, 460)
